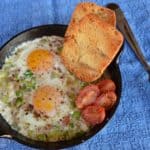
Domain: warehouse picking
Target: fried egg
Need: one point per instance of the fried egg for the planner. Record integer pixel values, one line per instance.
(40, 61)
(37, 92)
(45, 100)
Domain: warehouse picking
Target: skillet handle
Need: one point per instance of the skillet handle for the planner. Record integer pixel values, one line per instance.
(1, 132)
(5, 130)
(4, 134)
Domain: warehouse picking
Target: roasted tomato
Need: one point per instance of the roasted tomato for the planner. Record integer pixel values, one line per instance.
(93, 114)
(106, 100)
(87, 96)
(106, 85)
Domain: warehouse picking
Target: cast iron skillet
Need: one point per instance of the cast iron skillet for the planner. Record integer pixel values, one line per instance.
(30, 34)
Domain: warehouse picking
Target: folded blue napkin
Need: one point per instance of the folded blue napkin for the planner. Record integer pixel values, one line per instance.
(129, 129)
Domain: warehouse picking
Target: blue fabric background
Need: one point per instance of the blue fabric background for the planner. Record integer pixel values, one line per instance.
(130, 127)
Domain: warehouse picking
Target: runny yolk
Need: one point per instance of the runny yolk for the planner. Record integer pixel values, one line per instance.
(44, 99)
(40, 60)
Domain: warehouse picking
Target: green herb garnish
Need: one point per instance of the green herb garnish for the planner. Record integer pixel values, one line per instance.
(41, 137)
(83, 84)
(76, 114)
(71, 125)
(29, 81)
(19, 93)
(19, 101)
(28, 74)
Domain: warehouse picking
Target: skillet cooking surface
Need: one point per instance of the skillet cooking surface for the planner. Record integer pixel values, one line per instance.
(31, 34)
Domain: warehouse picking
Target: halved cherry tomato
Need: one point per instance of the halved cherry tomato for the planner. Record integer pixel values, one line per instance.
(93, 114)
(87, 96)
(106, 85)
(106, 100)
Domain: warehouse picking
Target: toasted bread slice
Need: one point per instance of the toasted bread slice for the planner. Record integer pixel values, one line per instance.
(85, 8)
(92, 48)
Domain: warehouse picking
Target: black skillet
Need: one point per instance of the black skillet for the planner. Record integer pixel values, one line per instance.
(30, 34)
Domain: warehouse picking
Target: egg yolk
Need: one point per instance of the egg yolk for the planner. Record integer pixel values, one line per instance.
(40, 60)
(44, 99)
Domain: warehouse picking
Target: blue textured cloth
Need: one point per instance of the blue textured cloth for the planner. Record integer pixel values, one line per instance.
(130, 127)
